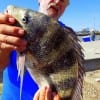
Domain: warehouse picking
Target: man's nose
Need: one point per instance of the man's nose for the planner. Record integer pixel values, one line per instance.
(57, 1)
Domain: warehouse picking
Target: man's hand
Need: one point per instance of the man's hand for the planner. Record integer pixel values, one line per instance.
(46, 94)
(10, 38)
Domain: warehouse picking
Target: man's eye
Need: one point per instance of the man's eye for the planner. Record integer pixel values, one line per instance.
(25, 20)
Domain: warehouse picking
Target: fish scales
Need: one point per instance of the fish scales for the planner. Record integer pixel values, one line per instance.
(53, 56)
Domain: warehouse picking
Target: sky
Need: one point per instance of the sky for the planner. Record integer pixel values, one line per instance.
(79, 14)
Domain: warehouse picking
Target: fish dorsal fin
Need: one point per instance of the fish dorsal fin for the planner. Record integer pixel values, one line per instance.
(77, 93)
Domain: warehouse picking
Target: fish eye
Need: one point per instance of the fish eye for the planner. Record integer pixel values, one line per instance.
(25, 20)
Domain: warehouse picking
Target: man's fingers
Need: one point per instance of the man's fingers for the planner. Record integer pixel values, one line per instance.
(8, 47)
(5, 26)
(36, 97)
(6, 19)
(48, 94)
(11, 30)
(12, 40)
(42, 93)
(56, 96)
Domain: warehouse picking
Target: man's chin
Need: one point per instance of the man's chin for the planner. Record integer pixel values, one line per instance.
(53, 15)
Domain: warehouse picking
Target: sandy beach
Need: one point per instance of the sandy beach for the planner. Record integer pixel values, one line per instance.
(91, 86)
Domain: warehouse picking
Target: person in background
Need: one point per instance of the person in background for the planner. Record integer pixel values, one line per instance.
(92, 34)
(10, 42)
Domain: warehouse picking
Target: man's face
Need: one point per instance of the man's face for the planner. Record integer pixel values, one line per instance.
(53, 8)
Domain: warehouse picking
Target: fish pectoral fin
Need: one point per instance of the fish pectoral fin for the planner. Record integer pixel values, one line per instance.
(20, 68)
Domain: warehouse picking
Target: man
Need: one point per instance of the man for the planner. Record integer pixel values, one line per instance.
(92, 35)
(10, 42)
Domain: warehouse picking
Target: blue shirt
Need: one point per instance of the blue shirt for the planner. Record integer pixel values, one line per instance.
(11, 85)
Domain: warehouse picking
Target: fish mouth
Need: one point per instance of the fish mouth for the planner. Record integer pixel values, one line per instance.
(9, 10)
(54, 6)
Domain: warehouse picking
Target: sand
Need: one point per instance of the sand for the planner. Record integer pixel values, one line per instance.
(91, 88)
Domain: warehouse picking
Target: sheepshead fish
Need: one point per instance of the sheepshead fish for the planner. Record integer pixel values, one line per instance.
(53, 56)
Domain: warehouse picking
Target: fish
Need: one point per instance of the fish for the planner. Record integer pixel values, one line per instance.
(53, 56)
